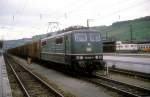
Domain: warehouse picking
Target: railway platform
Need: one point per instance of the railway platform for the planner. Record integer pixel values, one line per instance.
(5, 90)
(142, 55)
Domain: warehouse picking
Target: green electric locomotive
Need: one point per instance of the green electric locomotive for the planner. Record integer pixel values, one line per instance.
(78, 50)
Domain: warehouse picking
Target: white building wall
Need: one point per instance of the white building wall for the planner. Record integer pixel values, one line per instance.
(125, 47)
(142, 46)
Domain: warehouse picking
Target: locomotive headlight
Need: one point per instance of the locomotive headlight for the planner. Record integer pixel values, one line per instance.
(77, 57)
(100, 57)
(81, 57)
(96, 57)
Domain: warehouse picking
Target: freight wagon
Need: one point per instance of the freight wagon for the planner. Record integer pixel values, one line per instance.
(78, 50)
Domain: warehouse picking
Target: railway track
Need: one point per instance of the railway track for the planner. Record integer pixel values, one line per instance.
(15, 86)
(116, 86)
(120, 87)
(131, 73)
(32, 85)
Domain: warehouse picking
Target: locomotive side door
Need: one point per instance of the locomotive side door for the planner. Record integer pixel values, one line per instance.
(67, 47)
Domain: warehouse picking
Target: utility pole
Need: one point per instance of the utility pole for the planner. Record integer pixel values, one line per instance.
(87, 22)
(41, 17)
(2, 44)
(131, 34)
(106, 35)
(13, 17)
(119, 17)
(66, 16)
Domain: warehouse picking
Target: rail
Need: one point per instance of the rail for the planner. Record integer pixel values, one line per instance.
(123, 88)
(31, 84)
(131, 73)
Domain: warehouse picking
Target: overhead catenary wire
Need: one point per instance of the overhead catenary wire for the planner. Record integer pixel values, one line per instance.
(124, 9)
(107, 15)
(135, 5)
(75, 9)
(119, 9)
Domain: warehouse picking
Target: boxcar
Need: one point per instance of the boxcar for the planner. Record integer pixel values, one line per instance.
(28, 50)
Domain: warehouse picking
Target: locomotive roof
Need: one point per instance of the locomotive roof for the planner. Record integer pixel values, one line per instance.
(68, 32)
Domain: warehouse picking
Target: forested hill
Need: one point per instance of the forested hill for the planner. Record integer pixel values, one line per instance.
(140, 29)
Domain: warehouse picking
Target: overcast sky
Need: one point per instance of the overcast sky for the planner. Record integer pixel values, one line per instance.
(24, 18)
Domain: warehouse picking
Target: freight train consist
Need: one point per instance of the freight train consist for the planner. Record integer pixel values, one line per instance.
(78, 50)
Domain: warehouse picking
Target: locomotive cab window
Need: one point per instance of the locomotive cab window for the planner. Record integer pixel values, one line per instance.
(59, 41)
(44, 43)
(80, 37)
(95, 37)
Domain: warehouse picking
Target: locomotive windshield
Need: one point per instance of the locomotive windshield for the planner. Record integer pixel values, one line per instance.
(83, 37)
(80, 37)
(94, 37)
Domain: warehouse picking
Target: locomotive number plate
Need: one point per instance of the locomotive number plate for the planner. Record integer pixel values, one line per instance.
(88, 49)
